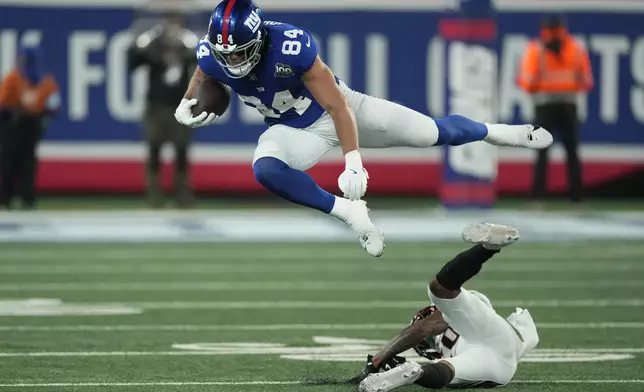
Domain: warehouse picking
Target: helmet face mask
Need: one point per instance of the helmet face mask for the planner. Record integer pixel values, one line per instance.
(236, 36)
(237, 60)
(427, 349)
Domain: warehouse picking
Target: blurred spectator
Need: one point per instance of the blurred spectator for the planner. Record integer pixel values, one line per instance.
(28, 99)
(555, 69)
(168, 49)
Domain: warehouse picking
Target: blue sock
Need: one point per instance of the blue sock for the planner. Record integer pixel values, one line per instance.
(291, 184)
(455, 130)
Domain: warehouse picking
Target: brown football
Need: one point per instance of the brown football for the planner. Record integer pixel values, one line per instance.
(212, 97)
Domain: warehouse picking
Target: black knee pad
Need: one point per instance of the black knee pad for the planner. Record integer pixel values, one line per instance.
(436, 376)
(463, 267)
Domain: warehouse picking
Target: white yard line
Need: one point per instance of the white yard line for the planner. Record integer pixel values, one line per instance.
(348, 285)
(248, 383)
(150, 384)
(578, 382)
(50, 354)
(137, 267)
(278, 327)
(293, 254)
(315, 305)
(368, 305)
(614, 325)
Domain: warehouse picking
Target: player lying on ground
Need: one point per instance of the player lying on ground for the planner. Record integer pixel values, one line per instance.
(275, 68)
(470, 345)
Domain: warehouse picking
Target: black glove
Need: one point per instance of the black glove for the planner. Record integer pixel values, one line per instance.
(392, 363)
(369, 368)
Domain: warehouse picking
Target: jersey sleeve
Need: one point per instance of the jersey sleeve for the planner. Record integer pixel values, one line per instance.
(294, 47)
(309, 52)
(206, 60)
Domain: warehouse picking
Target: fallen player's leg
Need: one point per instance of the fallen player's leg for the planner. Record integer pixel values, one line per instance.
(447, 283)
(489, 353)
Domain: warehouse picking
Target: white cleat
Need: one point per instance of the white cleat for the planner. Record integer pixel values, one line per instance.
(397, 377)
(490, 235)
(527, 135)
(371, 239)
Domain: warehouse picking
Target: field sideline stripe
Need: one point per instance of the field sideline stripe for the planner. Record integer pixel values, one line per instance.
(242, 383)
(50, 354)
(307, 285)
(278, 327)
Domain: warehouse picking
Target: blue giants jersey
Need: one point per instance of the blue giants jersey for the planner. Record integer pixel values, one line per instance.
(275, 85)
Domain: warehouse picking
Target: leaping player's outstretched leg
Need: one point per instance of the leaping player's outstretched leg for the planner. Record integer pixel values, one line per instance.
(467, 312)
(383, 124)
(281, 159)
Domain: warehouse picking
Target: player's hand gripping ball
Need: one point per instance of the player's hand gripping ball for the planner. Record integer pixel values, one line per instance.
(212, 100)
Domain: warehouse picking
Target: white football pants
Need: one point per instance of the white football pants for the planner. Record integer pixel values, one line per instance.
(380, 123)
(488, 348)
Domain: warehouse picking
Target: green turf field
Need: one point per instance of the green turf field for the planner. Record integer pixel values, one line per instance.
(583, 296)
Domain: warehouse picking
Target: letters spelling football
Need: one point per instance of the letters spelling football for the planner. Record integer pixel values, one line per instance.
(213, 97)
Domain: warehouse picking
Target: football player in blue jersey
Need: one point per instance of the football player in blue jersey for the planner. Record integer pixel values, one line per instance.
(275, 68)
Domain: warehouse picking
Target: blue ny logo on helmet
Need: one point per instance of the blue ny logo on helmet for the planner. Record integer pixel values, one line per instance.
(235, 34)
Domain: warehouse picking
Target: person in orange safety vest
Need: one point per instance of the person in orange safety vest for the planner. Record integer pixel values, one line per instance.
(555, 70)
(29, 99)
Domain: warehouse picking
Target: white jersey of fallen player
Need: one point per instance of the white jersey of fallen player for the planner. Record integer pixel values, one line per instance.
(483, 347)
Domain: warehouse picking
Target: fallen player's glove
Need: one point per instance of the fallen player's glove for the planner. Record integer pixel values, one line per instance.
(369, 368)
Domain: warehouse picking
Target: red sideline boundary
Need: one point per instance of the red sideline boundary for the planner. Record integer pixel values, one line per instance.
(390, 178)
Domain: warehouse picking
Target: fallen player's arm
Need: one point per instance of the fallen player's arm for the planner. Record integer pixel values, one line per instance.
(411, 336)
(197, 77)
(319, 80)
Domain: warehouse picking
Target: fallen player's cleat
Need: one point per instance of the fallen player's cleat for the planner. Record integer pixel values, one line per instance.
(490, 235)
(404, 374)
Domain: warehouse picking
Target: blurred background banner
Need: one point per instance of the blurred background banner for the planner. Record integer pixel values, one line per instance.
(96, 142)
(470, 34)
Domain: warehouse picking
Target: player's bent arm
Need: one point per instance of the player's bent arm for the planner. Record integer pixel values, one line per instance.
(197, 77)
(411, 336)
(319, 80)
(183, 113)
